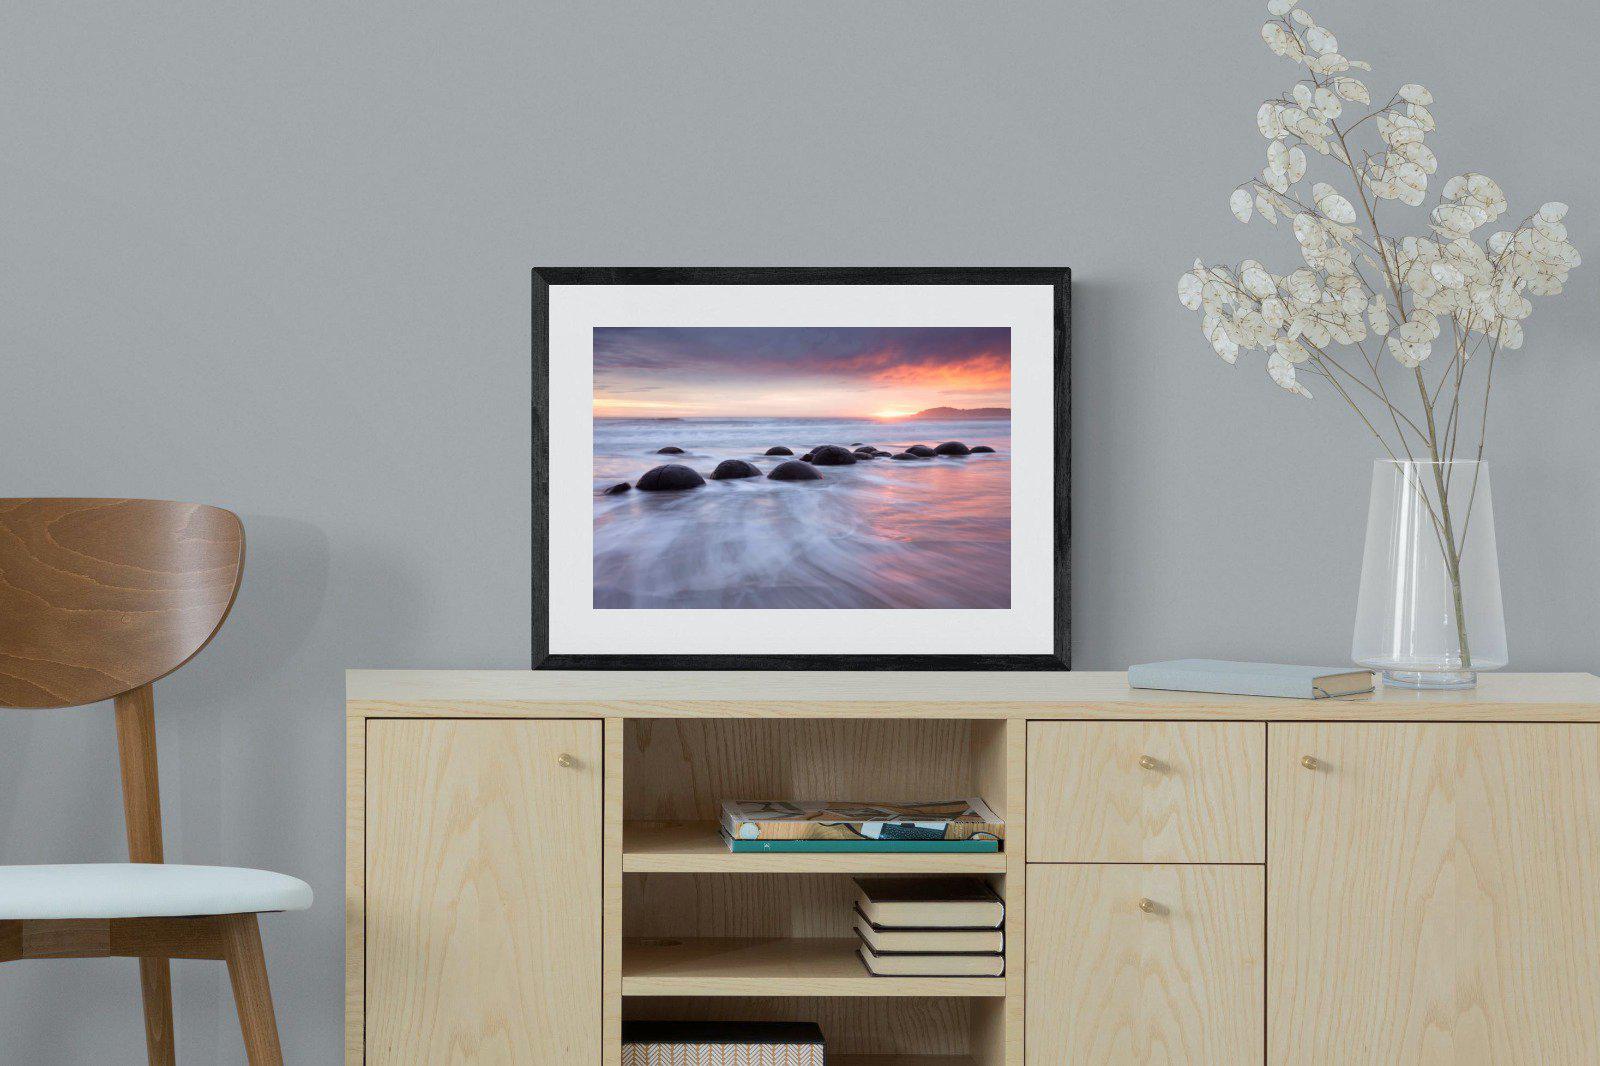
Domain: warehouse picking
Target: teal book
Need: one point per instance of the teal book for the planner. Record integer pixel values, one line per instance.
(1251, 679)
(859, 847)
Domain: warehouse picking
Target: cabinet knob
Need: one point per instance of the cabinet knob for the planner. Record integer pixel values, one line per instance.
(1310, 762)
(565, 760)
(1149, 906)
(1150, 762)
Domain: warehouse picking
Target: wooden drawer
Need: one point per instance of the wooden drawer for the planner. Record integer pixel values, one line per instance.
(1145, 964)
(1146, 792)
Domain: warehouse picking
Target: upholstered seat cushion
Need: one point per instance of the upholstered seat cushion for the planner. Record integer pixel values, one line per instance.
(144, 890)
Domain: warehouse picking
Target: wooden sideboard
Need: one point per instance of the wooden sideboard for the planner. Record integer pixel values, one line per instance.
(1395, 878)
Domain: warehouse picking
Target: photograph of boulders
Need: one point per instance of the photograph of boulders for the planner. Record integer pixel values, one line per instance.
(802, 467)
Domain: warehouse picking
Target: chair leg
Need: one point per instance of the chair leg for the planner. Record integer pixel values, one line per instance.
(252, 997)
(155, 984)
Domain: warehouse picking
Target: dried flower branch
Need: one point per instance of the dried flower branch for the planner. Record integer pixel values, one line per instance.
(1415, 293)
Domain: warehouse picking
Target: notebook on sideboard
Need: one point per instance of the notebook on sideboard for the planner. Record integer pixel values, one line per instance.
(917, 965)
(929, 902)
(1250, 679)
(890, 941)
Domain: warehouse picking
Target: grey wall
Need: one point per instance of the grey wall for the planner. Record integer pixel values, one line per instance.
(275, 257)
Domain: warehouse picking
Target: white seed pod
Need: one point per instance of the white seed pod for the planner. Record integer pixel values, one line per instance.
(1321, 41)
(1282, 373)
(1413, 93)
(1268, 120)
(1352, 90)
(1297, 164)
(1554, 211)
(1189, 291)
(1240, 203)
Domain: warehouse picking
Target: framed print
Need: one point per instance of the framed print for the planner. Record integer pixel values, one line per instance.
(801, 469)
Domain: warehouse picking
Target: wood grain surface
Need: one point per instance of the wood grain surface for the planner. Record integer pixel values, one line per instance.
(1110, 983)
(98, 597)
(1201, 799)
(1435, 894)
(1080, 694)
(781, 966)
(484, 900)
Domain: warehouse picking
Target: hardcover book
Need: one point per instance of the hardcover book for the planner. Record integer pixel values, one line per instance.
(887, 940)
(1250, 679)
(916, 965)
(962, 819)
(722, 1044)
(929, 902)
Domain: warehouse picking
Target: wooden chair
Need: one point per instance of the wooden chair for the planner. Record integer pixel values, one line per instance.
(99, 599)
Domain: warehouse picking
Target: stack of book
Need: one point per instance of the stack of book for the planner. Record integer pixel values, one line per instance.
(962, 825)
(930, 927)
(722, 1044)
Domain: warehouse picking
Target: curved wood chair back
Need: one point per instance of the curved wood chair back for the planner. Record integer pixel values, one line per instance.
(101, 597)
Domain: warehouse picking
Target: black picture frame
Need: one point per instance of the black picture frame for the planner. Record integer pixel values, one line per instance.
(1058, 278)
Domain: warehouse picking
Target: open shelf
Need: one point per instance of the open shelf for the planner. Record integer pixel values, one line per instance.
(697, 847)
(773, 966)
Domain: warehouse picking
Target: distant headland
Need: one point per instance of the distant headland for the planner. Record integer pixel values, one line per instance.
(953, 414)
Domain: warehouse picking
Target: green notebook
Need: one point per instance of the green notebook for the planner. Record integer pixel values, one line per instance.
(859, 847)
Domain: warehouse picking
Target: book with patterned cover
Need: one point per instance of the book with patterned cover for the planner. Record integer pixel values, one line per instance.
(959, 819)
(722, 1044)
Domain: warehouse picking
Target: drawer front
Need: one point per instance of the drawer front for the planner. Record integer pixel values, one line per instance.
(1145, 964)
(1147, 792)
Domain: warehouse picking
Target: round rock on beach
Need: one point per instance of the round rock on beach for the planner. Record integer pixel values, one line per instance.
(617, 489)
(794, 470)
(981, 448)
(904, 456)
(670, 478)
(670, 449)
(729, 469)
(833, 455)
(779, 450)
(921, 451)
(952, 447)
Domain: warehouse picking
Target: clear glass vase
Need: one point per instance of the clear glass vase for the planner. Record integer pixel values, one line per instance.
(1429, 612)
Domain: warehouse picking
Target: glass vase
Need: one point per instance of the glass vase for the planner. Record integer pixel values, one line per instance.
(1429, 612)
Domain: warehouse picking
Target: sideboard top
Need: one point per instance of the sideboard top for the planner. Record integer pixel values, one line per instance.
(1071, 694)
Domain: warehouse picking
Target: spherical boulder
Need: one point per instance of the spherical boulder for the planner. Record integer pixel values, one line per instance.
(905, 456)
(729, 469)
(669, 450)
(981, 448)
(617, 489)
(794, 470)
(779, 450)
(669, 478)
(952, 447)
(833, 455)
(921, 451)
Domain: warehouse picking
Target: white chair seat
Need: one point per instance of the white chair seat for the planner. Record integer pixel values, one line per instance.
(144, 890)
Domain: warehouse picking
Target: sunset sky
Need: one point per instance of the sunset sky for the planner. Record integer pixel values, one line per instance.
(797, 372)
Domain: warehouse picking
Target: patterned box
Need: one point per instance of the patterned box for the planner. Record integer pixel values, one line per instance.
(721, 1044)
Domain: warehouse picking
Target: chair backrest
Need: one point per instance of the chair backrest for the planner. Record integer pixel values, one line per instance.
(100, 597)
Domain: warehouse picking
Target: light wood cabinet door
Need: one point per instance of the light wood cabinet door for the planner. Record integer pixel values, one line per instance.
(1435, 894)
(483, 891)
(1180, 983)
(1147, 792)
